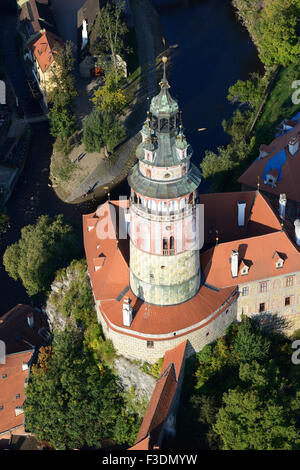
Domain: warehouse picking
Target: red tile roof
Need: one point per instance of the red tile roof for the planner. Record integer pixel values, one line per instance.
(111, 283)
(162, 397)
(258, 251)
(221, 214)
(290, 170)
(16, 332)
(10, 387)
(44, 48)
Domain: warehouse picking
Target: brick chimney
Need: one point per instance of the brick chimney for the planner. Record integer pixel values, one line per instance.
(241, 213)
(294, 145)
(282, 205)
(234, 263)
(127, 312)
(297, 231)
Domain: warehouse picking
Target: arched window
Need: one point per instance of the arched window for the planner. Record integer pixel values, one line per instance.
(148, 173)
(165, 246)
(172, 245)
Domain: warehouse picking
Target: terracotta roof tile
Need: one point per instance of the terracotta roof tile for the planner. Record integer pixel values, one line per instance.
(11, 387)
(290, 169)
(163, 395)
(44, 48)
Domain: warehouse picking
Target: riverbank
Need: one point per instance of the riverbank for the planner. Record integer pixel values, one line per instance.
(108, 173)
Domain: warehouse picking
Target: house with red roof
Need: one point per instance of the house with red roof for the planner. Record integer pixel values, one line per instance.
(276, 168)
(13, 380)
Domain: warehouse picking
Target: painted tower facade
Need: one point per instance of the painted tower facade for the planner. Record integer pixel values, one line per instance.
(164, 252)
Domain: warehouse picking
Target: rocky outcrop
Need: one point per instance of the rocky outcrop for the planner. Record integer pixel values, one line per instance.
(57, 321)
(130, 375)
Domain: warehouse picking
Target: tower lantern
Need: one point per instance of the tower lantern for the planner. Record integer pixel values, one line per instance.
(164, 256)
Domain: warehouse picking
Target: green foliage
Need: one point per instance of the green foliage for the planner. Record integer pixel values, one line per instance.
(250, 343)
(77, 300)
(250, 91)
(153, 369)
(109, 29)
(248, 421)
(41, 250)
(63, 145)
(62, 120)
(72, 402)
(110, 96)
(63, 93)
(102, 129)
(245, 393)
(279, 32)
(4, 222)
(101, 349)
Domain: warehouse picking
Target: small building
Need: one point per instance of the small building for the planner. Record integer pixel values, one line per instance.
(43, 51)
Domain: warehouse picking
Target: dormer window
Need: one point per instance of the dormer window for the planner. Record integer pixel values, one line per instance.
(244, 267)
(271, 178)
(244, 271)
(279, 259)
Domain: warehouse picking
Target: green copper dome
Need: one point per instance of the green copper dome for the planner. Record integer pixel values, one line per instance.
(163, 104)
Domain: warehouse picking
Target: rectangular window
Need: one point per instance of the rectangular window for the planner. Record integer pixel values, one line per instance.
(262, 307)
(150, 344)
(18, 396)
(245, 291)
(289, 281)
(263, 286)
(287, 301)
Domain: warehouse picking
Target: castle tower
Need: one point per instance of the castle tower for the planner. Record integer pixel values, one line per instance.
(164, 256)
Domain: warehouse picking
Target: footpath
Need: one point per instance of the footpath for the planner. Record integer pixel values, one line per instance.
(106, 176)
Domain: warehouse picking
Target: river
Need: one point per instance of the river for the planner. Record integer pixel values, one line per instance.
(214, 51)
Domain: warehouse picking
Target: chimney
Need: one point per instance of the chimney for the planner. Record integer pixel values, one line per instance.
(297, 231)
(127, 312)
(282, 205)
(241, 213)
(294, 145)
(235, 263)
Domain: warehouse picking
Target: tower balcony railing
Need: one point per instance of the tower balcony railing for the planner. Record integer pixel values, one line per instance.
(161, 216)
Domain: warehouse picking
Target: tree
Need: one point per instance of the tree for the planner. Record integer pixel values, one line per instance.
(249, 422)
(4, 221)
(108, 32)
(110, 97)
(41, 250)
(250, 91)
(62, 74)
(72, 402)
(102, 130)
(63, 93)
(62, 121)
(279, 40)
(250, 343)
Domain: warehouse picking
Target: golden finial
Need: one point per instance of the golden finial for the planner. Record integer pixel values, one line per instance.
(258, 183)
(217, 237)
(164, 59)
(108, 196)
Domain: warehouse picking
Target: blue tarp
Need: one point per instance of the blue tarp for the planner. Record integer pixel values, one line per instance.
(275, 163)
(296, 118)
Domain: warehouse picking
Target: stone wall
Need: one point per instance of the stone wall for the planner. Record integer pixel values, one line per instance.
(136, 348)
(273, 298)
